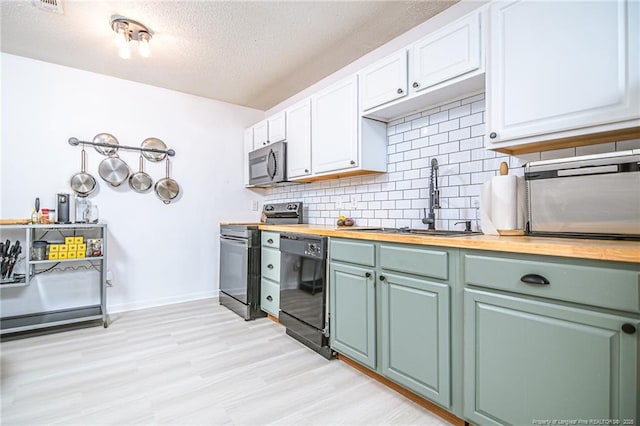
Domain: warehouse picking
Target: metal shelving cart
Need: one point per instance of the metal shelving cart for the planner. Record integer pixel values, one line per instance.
(51, 318)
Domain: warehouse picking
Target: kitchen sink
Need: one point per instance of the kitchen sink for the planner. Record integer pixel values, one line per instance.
(414, 231)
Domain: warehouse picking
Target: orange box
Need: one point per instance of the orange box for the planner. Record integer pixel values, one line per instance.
(81, 254)
(53, 255)
(72, 255)
(78, 240)
(69, 240)
(62, 255)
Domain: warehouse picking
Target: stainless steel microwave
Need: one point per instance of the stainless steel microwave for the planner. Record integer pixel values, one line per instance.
(267, 165)
(592, 196)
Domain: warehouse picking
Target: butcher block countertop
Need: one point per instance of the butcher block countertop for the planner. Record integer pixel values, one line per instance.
(618, 251)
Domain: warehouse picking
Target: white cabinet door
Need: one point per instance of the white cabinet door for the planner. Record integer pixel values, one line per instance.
(447, 53)
(384, 81)
(276, 128)
(299, 139)
(560, 66)
(248, 147)
(334, 132)
(260, 134)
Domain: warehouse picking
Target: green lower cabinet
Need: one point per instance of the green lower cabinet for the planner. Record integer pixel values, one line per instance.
(415, 329)
(352, 321)
(527, 361)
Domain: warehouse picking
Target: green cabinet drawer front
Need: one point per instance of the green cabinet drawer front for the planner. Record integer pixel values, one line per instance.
(270, 297)
(351, 251)
(270, 239)
(415, 336)
(352, 307)
(414, 260)
(526, 360)
(270, 264)
(607, 285)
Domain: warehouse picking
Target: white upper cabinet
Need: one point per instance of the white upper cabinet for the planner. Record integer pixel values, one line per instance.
(343, 142)
(443, 66)
(447, 53)
(299, 139)
(559, 71)
(260, 134)
(248, 147)
(271, 130)
(334, 113)
(277, 128)
(384, 81)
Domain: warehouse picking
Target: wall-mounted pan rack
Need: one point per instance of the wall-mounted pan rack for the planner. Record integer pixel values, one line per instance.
(75, 142)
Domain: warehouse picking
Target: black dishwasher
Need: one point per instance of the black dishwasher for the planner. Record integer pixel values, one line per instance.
(303, 290)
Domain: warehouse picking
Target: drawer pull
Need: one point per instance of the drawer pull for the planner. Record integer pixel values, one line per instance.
(628, 328)
(534, 279)
(270, 299)
(382, 278)
(270, 266)
(368, 275)
(270, 240)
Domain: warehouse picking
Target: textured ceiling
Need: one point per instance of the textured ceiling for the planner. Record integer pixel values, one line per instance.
(252, 53)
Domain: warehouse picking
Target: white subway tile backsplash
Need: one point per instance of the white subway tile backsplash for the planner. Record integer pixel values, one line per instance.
(460, 111)
(454, 135)
(439, 117)
(446, 126)
(471, 120)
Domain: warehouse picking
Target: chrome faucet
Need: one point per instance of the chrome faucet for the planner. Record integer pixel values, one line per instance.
(434, 196)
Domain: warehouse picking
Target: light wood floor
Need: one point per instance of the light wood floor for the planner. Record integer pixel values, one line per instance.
(189, 363)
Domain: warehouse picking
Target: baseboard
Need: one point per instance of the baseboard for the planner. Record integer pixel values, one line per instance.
(161, 301)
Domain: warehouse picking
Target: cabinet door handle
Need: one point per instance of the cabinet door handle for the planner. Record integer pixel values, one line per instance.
(400, 91)
(270, 240)
(534, 279)
(269, 298)
(382, 278)
(368, 275)
(628, 328)
(306, 170)
(270, 266)
(352, 162)
(493, 135)
(415, 85)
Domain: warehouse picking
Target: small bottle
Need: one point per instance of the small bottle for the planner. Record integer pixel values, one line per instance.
(34, 217)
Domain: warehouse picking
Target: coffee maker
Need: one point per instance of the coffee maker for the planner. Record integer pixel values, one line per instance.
(63, 208)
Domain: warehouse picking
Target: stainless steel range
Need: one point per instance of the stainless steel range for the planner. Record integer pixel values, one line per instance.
(240, 259)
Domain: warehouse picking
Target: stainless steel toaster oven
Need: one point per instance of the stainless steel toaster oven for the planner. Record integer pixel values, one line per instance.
(592, 196)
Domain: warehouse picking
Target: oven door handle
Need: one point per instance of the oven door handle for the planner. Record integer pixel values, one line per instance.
(235, 241)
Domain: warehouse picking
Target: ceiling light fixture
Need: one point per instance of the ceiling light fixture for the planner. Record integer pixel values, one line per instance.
(126, 30)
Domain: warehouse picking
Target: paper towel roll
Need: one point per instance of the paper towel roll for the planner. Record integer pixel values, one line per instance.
(504, 202)
(486, 222)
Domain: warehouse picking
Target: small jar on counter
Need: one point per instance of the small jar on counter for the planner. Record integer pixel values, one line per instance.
(44, 216)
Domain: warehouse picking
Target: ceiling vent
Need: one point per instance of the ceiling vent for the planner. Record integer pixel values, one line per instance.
(54, 6)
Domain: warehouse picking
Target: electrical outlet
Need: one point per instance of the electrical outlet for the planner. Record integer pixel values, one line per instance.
(254, 205)
(354, 202)
(109, 277)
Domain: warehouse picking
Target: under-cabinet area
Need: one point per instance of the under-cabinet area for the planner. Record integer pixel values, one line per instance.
(59, 276)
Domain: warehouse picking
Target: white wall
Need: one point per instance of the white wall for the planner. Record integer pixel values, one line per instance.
(158, 253)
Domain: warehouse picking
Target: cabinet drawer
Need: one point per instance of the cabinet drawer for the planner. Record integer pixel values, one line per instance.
(270, 297)
(360, 252)
(604, 284)
(270, 239)
(415, 260)
(270, 264)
